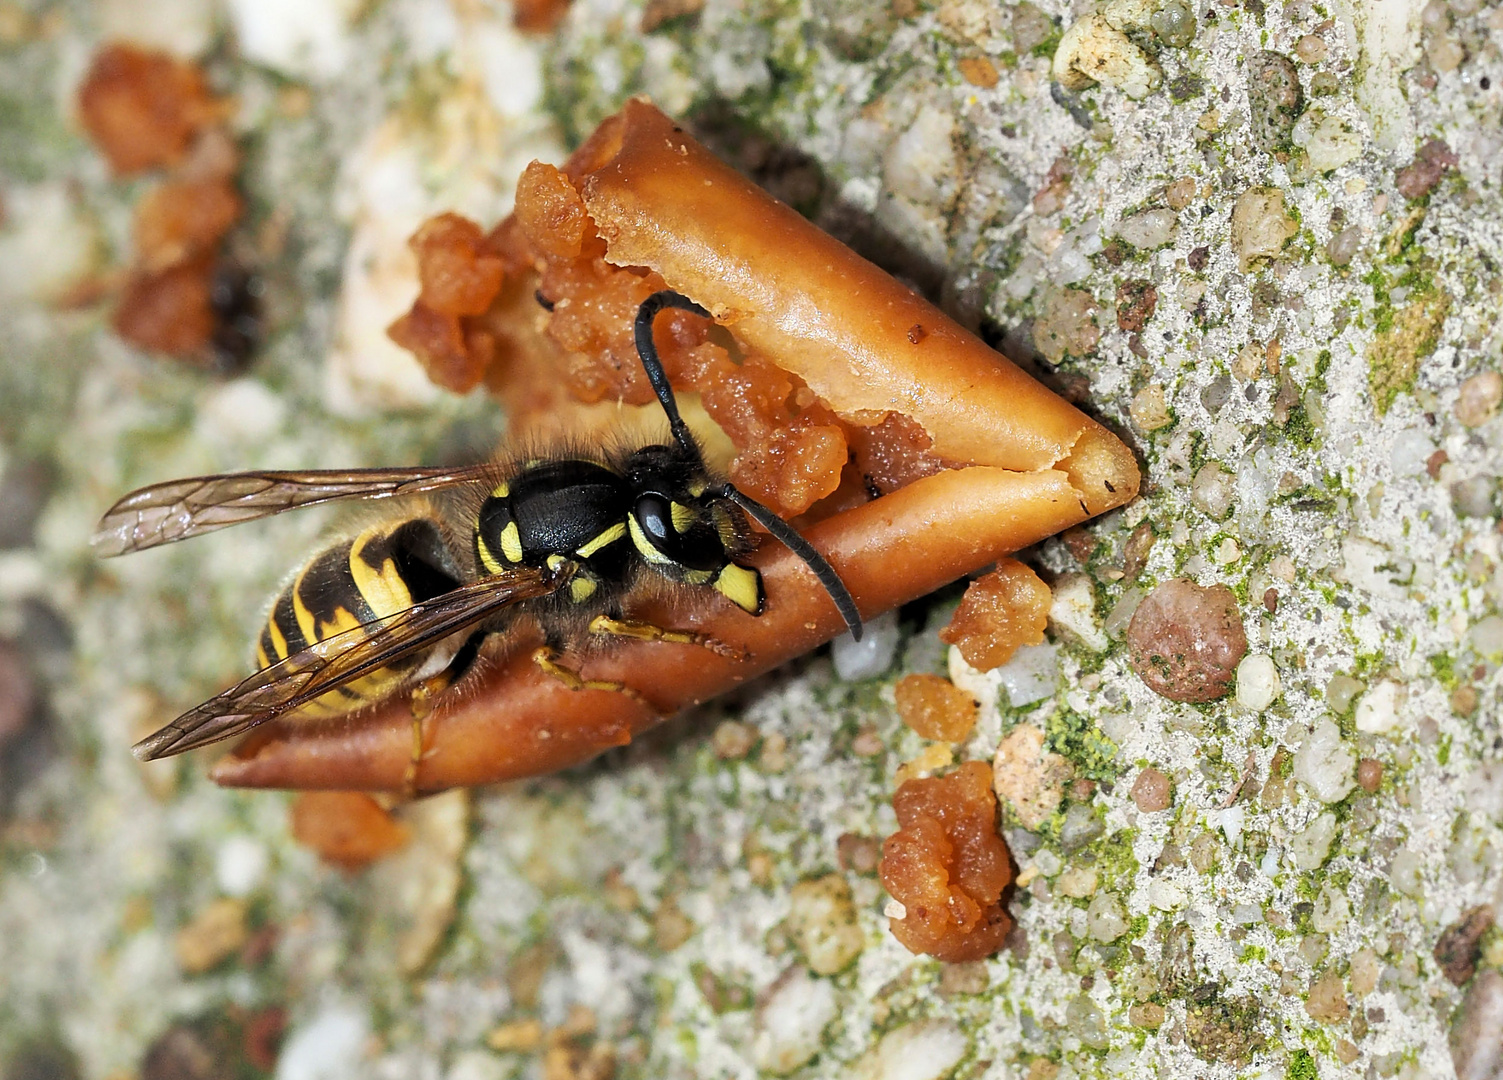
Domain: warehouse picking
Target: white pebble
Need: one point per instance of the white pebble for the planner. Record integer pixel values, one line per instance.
(1231, 820)
(1073, 611)
(791, 1022)
(1486, 636)
(1092, 50)
(1165, 895)
(872, 655)
(1257, 682)
(328, 1047)
(1123, 611)
(1407, 873)
(1148, 229)
(1378, 710)
(1308, 849)
(923, 1050)
(1212, 490)
(240, 865)
(1327, 139)
(1247, 914)
(1031, 675)
(1332, 910)
(1325, 764)
(296, 38)
(1411, 450)
(1106, 922)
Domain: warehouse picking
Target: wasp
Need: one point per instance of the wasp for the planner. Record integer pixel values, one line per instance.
(406, 605)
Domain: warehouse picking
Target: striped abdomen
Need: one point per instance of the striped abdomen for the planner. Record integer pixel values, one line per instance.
(381, 571)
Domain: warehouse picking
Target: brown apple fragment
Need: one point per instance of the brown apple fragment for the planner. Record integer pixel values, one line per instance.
(811, 389)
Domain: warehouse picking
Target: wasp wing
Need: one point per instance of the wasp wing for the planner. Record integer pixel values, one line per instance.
(175, 510)
(343, 658)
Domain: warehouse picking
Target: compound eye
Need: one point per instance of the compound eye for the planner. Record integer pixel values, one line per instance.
(678, 534)
(654, 516)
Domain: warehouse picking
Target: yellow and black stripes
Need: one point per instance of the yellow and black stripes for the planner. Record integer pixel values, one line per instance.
(381, 571)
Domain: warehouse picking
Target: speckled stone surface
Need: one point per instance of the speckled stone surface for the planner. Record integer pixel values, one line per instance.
(1267, 245)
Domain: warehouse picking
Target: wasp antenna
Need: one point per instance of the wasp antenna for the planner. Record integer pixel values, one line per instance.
(795, 543)
(653, 365)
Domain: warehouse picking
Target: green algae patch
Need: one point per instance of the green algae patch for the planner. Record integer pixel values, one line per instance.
(1394, 356)
(1301, 1066)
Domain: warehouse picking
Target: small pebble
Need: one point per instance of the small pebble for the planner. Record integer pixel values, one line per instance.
(1260, 226)
(215, 933)
(1342, 247)
(1105, 918)
(1378, 709)
(1148, 229)
(1459, 947)
(1212, 490)
(1324, 763)
(1174, 23)
(1341, 691)
(1326, 1001)
(1180, 193)
(180, 1053)
(1369, 774)
(858, 854)
(968, 978)
(1149, 410)
(1078, 882)
(790, 1021)
(1257, 682)
(1186, 640)
(1419, 177)
(1151, 791)
(1477, 1031)
(822, 922)
(1310, 49)
(1026, 777)
(1309, 848)
(1274, 98)
(331, 1046)
(867, 743)
(872, 655)
(733, 740)
(1478, 398)
(922, 1050)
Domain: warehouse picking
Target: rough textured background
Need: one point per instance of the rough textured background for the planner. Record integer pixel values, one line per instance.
(687, 908)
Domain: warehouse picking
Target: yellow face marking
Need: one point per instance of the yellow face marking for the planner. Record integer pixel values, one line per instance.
(699, 577)
(642, 544)
(555, 561)
(501, 490)
(581, 589)
(511, 542)
(605, 539)
(383, 587)
(487, 559)
(741, 586)
(683, 517)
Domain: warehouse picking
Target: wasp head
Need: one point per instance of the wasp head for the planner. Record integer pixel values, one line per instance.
(685, 528)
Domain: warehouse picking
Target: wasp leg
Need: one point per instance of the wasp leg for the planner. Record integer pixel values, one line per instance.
(640, 631)
(424, 697)
(547, 658)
